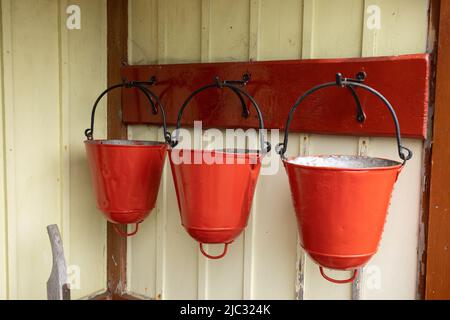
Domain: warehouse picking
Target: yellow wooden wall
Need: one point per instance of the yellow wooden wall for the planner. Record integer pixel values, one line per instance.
(164, 262)
(49, 78)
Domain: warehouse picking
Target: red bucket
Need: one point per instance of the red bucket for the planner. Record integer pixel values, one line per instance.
(215, 199)
(126, 174)
(341, 202)
(126, 177)
(215, 188)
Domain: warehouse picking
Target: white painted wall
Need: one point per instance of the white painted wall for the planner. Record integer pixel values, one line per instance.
(164, 262)
(50, 78)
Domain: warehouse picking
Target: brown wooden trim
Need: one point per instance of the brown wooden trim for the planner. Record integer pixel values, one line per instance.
(117, 37)
(433, 28)
(438, 244)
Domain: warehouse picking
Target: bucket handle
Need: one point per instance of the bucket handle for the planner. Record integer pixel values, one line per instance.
(224, 252)
(232, 85)
(355, 273)
(404, 153)
(89, 133)
(124, 234)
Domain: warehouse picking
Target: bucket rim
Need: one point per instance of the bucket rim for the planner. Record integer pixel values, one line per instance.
(396, 164)
(226, 151)
(125, 143)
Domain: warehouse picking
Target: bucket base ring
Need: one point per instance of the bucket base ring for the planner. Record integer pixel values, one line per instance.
(123, 234)
(225, 249)
(355, 273)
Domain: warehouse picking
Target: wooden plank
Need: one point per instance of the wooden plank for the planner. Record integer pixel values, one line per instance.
(277, 84)
(340, 21)
(83, 224)
(57, 284)
(438, 253)
(432, 43)
(117, 35)
(32, 188)
(3, 202)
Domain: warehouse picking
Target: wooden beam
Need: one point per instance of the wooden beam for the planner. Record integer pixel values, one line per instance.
(117, 37)
(438, 244)
(433, 27)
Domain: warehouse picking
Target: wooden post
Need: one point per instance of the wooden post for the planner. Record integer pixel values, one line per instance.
(117, 37)
(438, 246)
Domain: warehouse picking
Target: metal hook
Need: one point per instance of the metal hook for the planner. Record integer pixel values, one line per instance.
(404, 153)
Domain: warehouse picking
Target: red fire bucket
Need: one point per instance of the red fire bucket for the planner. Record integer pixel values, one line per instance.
(341, 202)
(126, 174)
(215, 188)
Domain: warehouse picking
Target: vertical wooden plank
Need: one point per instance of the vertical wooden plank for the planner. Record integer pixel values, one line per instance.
(280, 29)
(35, 192)
(268, 243)
(143, 258)
(300, 283)
(182, 265)
(143, 32)
(308, 29)
(117, 34)
(397, 252)
(3, 152)
(9, 156)
(358, 284)
(206, 31)
(432, 48)
(254, 30)
(84, 234)
(249, 233)
(161, 230)
(202, 263)
(275, 233)
(162, 31)
(142, 249)
(64, 126)
(230, 27)
(306, 53)
(402, 30)
(398, 20)
(438, 256)
(340, 21)
(183, 24)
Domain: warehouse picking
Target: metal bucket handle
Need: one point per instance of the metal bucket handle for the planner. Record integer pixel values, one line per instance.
(355, 273)
(404, 153)
(265, 145)
(89, 133)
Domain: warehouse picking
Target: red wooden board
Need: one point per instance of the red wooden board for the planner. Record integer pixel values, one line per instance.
(276, 85)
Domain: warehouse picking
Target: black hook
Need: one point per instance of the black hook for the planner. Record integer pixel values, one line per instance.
(147, 92)
(403, 152)
(150, 82)
(243, 82)
(265, 145)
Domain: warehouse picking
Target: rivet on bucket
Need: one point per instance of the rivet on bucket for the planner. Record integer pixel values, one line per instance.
(341, 201)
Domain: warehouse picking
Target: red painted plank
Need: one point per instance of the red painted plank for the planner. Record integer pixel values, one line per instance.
(277, 84)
